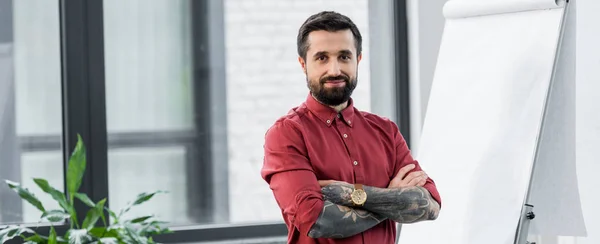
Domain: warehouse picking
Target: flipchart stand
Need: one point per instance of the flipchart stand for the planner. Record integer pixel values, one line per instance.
(527, 212)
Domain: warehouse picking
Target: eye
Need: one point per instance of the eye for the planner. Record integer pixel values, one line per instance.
(345, 57)
(321, 58)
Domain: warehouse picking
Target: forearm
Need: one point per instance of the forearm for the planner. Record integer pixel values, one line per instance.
(338, 221)
(403, 205)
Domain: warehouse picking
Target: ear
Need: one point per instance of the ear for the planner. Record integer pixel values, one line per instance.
(358, 58)
(302, 64)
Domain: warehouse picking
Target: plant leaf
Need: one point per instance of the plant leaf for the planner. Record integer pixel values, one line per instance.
(13, 231)
(93, 215)
(100, 232)
(101, 211)
(113, 215)
(74, 221)
(26, 195)
(55, 216)
(56, 194)
(79, 236)
(108, 240)
(85, 199)
(36, 238)
(134, 235)
(76, 167)
(140, 219)
(52, 237)
(59, 197)
(143, 197)
(100, 208)
(149, 228)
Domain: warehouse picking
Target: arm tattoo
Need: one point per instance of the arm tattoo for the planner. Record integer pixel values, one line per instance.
(338, 221)
(403, 205)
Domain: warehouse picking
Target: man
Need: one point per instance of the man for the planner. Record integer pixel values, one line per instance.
(341, 175)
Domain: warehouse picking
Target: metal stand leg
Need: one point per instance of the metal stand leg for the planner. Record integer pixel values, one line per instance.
(526, 216)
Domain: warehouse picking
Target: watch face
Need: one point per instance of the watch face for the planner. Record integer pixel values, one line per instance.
(359, 197)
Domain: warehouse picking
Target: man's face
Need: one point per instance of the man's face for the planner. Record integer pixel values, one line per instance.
(331, 66)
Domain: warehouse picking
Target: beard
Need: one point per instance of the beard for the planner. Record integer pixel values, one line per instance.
(332, 96)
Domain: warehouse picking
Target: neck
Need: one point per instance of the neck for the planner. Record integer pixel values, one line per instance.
(340, 107)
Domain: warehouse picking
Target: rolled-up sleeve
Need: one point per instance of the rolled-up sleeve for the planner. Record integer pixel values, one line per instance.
(287, 170)
(404, 157)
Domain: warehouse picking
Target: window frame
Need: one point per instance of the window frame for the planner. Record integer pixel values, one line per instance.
(402, 71)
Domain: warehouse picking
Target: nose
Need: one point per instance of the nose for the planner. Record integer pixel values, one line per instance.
(334, 69)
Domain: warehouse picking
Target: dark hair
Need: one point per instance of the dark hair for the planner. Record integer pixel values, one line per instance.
(328, 21)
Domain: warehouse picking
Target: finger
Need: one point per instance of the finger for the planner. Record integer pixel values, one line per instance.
(402, 172)
(415, 179)
(399, 182)
(413, 175)
(394, 183)
(422, 182)
(324, 183)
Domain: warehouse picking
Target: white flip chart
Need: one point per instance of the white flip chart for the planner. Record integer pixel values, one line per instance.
(484, 116)
(554, 190)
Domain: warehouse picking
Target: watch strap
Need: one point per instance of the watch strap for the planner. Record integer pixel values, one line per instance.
(358, 186)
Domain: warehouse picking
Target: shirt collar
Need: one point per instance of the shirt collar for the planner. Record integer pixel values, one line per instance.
(327, 114)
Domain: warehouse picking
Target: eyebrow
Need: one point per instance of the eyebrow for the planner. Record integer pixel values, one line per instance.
(344, 52)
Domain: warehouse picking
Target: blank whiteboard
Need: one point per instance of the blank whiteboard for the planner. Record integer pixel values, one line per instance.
(484, 115)
(554, 190)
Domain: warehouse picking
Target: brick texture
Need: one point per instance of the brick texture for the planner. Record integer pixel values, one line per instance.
(265, 80)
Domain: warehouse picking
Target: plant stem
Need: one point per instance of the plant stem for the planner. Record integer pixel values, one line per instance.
(74, 213)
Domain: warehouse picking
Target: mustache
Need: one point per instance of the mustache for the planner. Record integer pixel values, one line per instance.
(345, 78)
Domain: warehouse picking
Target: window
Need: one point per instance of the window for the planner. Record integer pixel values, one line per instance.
(30, 105)
(190, 93)
(152, 137)
(171, 95)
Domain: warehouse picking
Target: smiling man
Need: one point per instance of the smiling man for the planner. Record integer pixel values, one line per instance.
(341, 175)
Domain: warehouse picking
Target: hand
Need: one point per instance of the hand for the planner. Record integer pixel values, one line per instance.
(324, 183)
(416, 178)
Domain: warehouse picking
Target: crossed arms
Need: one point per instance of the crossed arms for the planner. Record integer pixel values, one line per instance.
(323, 209)
(404, 201)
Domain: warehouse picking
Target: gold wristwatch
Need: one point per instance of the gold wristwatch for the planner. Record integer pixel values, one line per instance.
(359, 196)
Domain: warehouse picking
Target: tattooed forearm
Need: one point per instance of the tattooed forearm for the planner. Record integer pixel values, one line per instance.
(337, 221)
(403, 205)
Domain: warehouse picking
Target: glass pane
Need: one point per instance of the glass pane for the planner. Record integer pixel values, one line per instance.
(30, 106)
(155, 169)
(149, 101)
(157, 111)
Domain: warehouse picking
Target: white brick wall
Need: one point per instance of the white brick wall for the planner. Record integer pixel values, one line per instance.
(264, 80)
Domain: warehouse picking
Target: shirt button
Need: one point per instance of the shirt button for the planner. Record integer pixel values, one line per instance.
(345, 136)
(349, 122)
(338, 115)
(355, 163)
(328, 121)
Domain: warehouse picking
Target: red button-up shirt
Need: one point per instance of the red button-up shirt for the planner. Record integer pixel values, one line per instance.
(313, 142)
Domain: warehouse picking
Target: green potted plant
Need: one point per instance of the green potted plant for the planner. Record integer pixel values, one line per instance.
(120, 230)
